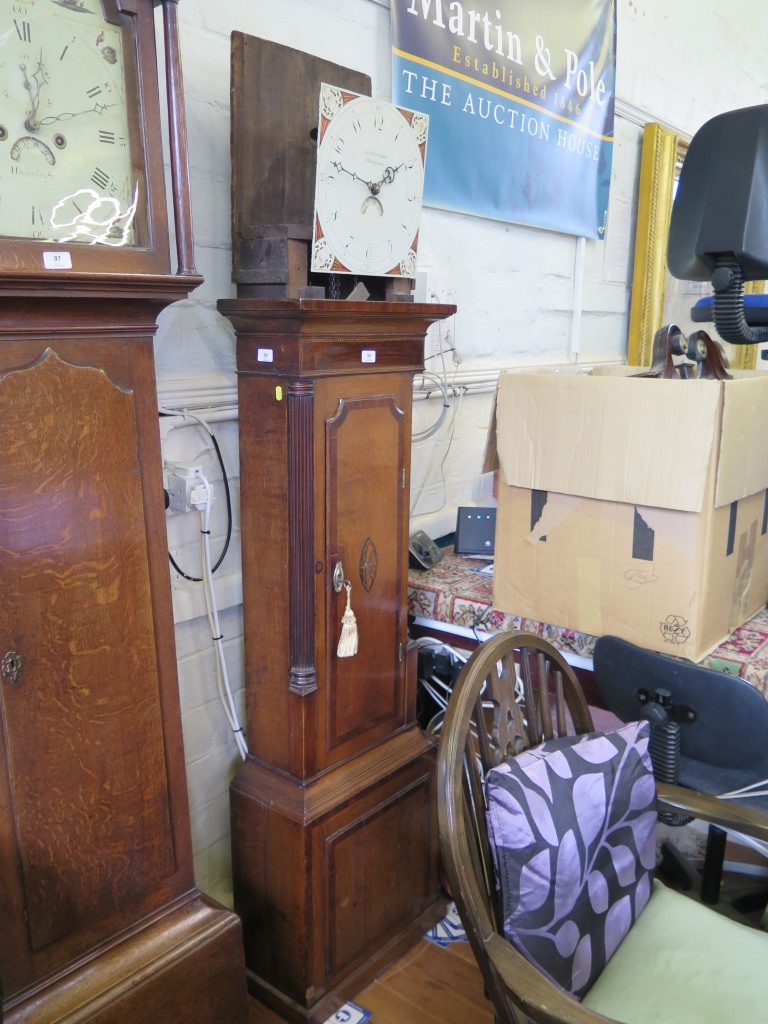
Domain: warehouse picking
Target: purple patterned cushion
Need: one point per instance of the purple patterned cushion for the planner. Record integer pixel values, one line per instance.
(572, 823)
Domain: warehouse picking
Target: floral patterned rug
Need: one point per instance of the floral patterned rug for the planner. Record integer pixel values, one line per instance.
(459, 592)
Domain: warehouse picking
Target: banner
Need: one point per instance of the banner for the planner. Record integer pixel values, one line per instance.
(520, 98)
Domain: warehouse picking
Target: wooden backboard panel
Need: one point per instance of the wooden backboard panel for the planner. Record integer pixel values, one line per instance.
(275, 98)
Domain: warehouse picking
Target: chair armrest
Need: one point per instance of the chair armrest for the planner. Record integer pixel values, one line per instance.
(544, 1003)
(725, 813)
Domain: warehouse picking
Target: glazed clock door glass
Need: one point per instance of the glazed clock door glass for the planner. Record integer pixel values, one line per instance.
(66, 169)
(370, 179)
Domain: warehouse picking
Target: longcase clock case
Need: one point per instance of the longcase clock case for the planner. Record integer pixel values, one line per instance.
(333, 813)
(100, 919)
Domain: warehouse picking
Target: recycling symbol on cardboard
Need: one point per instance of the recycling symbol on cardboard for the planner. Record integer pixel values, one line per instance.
(675, 630)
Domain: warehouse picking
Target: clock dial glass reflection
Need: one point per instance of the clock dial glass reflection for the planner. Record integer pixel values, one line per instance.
(65, 159)
(370, 175)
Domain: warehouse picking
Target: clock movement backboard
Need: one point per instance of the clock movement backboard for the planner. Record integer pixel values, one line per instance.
(274, 116)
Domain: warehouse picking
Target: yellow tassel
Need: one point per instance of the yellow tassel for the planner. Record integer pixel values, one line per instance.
(347, 646)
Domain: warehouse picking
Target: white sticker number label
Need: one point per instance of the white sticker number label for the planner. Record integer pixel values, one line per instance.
(265, 355)
(368, 355)
(57, 260)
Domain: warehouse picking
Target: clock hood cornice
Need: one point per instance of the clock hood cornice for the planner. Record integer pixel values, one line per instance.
(157, 288)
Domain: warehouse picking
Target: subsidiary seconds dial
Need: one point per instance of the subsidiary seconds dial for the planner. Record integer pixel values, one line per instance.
(370, 181)
(65, 159)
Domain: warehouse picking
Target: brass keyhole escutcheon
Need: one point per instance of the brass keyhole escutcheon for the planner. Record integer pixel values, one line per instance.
(338, 577)
(11, 666)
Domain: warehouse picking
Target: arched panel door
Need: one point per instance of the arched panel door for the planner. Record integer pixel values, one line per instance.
(364, 479)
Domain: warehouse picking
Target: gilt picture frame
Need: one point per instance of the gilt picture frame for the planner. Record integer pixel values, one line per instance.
(656, 295)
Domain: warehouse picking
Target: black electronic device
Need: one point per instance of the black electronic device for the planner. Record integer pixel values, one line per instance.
(423, 553)
(475, 531)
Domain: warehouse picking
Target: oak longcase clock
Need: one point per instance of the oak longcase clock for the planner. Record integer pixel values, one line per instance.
(101, 920)
(334, 824)
(334, 840)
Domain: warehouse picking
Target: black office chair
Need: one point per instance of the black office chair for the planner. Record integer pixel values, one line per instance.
(709, 732)
(718, 231)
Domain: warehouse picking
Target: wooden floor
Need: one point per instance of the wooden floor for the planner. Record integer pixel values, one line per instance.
(430, 985)
(435, 985)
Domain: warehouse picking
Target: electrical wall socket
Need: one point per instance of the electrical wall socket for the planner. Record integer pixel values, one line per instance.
(433, 287)
(440, 340)
(186, 490)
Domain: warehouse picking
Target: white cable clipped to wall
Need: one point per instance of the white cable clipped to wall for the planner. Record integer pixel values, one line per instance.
(443, 388)
(204, 508)
(222, 678)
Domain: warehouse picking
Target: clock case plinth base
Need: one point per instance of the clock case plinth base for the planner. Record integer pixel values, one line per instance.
(335, 877)
(185, 964)
(334, 833)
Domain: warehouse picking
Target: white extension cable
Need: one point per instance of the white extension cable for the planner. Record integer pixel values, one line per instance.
(222, 678)
(204, 508)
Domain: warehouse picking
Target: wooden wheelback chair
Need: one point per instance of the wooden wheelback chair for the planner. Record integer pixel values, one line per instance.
(515, 691)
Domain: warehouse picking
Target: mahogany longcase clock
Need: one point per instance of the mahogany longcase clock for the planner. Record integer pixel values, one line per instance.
(101, 920)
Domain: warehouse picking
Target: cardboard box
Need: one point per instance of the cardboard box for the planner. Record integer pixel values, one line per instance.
(633, 506)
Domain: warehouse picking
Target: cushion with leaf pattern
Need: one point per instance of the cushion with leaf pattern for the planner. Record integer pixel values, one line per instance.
(572, 823)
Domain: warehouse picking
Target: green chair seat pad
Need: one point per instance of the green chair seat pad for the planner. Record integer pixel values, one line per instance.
(682, 963)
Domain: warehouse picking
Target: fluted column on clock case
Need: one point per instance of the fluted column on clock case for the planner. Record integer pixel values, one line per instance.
(334, 838)
(303, 679)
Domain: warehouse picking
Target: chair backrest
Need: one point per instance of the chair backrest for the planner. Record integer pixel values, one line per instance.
(723, 719)
(515, 691)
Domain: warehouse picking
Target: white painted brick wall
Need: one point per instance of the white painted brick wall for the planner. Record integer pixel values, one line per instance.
(678, 63)
(211, 754)
(210, 750)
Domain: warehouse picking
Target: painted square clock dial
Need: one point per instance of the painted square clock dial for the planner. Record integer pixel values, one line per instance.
(369, 187)
(66, 169)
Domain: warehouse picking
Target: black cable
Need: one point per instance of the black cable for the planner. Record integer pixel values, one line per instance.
(199, 579)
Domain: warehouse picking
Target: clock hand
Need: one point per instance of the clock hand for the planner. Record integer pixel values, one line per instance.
(386, 179)
(374, 187)
(97, 108)
(33, 85)
(368, 184)
(74, 5)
